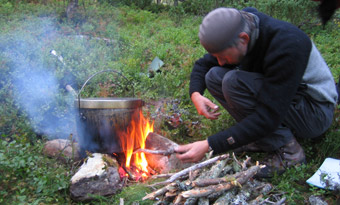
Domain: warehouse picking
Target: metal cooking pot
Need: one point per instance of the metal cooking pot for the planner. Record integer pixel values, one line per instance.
(99, 120)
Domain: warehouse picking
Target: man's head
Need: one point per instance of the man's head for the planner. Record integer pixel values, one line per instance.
(222, 33)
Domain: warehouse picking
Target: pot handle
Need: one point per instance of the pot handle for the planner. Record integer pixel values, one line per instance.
(110, 70)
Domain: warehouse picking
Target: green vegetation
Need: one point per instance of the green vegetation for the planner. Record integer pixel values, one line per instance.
(124, 36)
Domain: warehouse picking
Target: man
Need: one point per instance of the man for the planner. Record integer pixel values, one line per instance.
(270, 77)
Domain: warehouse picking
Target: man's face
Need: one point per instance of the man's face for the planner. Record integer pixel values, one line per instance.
(232, 55)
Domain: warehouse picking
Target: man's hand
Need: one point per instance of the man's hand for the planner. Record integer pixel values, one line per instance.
(193, 152)
(204, 106)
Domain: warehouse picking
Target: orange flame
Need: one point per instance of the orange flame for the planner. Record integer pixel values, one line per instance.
(135, 136)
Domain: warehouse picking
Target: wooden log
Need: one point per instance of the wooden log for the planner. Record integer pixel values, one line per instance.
(192, 168)
(202, 192)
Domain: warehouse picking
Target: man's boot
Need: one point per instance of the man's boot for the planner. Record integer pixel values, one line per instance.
(285, 157)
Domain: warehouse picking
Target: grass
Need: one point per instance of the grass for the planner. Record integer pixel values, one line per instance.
(125, 39)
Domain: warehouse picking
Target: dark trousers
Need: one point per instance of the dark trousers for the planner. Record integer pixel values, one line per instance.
(236, 91)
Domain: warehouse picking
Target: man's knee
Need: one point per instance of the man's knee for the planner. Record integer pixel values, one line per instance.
(230, 82)
(237, 81)
(213, 78)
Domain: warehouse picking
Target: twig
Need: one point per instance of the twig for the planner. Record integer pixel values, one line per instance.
(159, 192)
(160, 152)
(245, 162)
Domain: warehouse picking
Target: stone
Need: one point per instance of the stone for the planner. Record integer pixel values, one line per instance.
(62, 149)
(160, 163)
(95, 177)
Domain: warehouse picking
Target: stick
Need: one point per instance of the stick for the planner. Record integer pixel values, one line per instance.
(207, 182)
(159, 192)
(194, 167)
(222, 187)
(160, 152)
(157, 176)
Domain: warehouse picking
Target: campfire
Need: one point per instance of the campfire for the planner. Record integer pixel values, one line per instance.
(136, 165)
(140, 154)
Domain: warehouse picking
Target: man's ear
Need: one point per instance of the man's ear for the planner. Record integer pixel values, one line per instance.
(244, 38)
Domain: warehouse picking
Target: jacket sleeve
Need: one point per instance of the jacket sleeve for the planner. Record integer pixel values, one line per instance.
(200, 69)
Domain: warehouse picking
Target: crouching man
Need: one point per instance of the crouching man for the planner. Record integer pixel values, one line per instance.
(270, 77)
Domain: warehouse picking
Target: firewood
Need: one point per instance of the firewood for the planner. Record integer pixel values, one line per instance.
(160, 152)
(215, 184)
(194, 167)
(202, 192)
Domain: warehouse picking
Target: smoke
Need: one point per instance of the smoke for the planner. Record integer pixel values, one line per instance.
(36, 89)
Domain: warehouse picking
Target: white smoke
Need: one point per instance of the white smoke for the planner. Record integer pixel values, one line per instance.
(36, 89)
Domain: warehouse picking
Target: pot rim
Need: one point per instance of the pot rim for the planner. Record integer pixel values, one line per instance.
(108, 103)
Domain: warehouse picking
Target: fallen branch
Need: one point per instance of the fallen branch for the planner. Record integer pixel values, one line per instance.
(192, 168)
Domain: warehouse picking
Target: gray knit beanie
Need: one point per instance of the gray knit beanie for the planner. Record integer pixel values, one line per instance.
(219, 28)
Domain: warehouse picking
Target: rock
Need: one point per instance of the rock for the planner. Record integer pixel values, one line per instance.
(62, 149)
(160, 163)
(95, 177)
